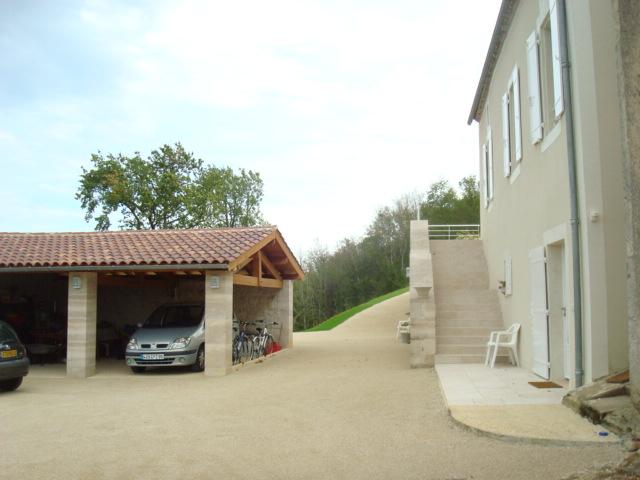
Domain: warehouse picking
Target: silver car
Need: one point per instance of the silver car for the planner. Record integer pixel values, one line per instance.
(173, 336)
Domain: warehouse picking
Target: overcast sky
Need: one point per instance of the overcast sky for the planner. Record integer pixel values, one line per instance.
(342, 106)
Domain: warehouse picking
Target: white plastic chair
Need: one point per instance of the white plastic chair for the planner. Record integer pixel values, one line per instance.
(504, 338)
(404, 326)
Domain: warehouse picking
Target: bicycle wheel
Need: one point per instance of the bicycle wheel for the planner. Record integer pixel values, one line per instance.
(245, 349)
(268, 345)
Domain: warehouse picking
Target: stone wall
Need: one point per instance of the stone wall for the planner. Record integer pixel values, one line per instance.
(629, 84)
(251, 303)
(421, 299)
(133, 303)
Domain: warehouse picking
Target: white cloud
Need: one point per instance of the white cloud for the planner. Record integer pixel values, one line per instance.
(342, 106)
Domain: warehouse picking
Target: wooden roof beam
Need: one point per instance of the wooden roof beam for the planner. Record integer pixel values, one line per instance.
(270, 267)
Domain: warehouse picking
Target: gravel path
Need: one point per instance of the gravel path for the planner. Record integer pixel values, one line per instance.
(341, 405)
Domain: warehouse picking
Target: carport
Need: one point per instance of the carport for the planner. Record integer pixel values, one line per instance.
(72, 289)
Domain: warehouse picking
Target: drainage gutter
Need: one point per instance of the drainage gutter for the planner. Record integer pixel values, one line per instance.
(573, 188)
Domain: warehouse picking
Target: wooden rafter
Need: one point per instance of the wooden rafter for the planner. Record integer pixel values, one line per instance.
(255, 260)
(252, 251)
(270, 267)
(243, 264)
(292, 261)
(251, 281)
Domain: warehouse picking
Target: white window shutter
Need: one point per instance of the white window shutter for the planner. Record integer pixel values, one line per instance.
(484, 176)
(517, 124)
(490, 164)
(533, 77)
(558, 101)
(506, 156)
(508, 277)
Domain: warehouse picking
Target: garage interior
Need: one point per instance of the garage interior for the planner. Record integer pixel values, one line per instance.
(77, 298)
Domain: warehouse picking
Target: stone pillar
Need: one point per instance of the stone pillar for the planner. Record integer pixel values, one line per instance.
(218, 311)
(81, 325)
(421, 304)
(283, 313)
(629, 84)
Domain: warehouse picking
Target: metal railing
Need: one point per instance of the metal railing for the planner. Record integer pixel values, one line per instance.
(454, 232)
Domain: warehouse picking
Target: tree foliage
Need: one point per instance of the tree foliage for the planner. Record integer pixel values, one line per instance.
(359, 270)
(169, 189)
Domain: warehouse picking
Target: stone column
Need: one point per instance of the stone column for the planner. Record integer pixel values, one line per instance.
(81, 325)
(629, 84)
(218, 311)
(421, 304)
(283, 313)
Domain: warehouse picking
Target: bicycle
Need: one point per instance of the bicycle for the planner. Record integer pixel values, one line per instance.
(242, 343)
(263, 342)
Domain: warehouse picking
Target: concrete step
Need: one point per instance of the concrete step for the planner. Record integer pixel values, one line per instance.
(493, 324)
(462, 261)
(461, 349)
(465, 295)
(460, 307)
(599, 408)
(475, 331)
(470, 314)
(461, 281)
(462, 340)
(466, 358)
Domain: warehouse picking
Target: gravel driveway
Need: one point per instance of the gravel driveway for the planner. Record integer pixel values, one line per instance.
(341, 405)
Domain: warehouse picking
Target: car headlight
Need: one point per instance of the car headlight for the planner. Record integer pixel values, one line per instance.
(179, 343)
(132, 345)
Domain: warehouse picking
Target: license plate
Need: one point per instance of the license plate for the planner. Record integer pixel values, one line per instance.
(9, 354)
(153, 356)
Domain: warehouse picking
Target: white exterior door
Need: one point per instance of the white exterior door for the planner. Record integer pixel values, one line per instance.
(539, 312)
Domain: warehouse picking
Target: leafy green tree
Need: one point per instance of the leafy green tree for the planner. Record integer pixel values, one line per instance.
(443, 205)
(226, 199)
(169, 189)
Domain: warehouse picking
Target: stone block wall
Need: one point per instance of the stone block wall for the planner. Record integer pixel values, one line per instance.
(269, 304)
(81, 328)
(421, 300)
(133, 303)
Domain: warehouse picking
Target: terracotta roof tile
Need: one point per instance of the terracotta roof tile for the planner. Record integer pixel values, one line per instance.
(140, 247)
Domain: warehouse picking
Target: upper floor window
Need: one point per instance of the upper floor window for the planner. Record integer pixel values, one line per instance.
(487, 168)
(511, 125)
(544, 75)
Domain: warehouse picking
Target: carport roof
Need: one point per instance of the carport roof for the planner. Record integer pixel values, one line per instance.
(202, 247)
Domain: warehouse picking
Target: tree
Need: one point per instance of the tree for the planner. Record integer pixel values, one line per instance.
(445, 206)
(169, 189)
(229, 200)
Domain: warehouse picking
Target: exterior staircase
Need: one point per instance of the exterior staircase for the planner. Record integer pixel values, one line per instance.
(466, 309)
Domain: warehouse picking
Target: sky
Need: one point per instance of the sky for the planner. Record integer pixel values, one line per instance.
(341, 106)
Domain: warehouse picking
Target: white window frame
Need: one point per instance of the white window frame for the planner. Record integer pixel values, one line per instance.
(511, 104)
(546, 102)
(487, 168)
(508, 276)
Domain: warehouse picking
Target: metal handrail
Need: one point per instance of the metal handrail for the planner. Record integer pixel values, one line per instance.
(454, 232)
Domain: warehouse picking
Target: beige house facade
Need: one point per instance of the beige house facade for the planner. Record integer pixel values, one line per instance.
(552, 187)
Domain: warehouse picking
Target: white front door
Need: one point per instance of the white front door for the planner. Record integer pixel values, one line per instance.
(539, 312)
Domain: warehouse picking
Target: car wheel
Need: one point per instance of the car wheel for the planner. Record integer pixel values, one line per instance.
(199, 365)
(138, 369)
(11, 384)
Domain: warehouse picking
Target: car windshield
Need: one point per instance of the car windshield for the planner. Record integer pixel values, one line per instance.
(170, 316)
(6, 333)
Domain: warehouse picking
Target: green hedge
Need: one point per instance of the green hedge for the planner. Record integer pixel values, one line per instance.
(341, 317)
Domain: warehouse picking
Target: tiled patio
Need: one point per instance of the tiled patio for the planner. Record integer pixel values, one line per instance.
(501, 402)
(473, 384)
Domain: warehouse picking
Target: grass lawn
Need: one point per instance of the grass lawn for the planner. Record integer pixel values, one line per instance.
(342, 316)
